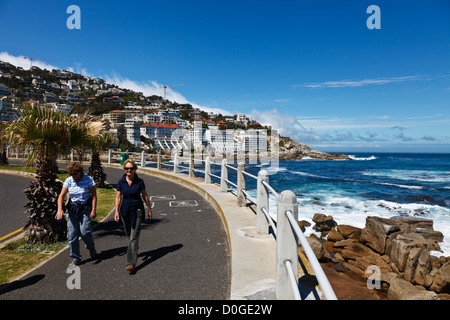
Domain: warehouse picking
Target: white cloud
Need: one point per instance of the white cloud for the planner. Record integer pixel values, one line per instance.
(155, 88)
(79, 69)
(287, 125)
(357, 83)
(325, 132)
(321, 123)
(20, 61)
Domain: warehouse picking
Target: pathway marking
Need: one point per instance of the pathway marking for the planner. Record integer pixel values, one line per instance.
(162, 198)
(183, 203)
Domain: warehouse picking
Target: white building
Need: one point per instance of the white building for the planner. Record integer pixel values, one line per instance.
(220, 141)
(229, 141)
(196, 134)
(72, 84)
(66, 108)
(159, 131)
(242, 119)
(133, 132)
(251, 140)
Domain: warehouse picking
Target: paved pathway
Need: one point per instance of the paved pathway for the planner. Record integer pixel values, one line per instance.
(183, 254)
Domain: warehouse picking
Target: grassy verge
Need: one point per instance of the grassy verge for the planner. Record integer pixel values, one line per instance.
(18, 256)
(62, 174)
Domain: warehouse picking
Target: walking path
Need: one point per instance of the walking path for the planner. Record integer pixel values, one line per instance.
(199, 245)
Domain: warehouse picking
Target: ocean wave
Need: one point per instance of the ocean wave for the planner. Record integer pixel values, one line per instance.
(305, 174)
(306, 158)
(399, 185)
(362, 159)
(411, 175)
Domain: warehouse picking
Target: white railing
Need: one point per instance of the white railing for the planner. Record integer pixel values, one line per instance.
(285, 229)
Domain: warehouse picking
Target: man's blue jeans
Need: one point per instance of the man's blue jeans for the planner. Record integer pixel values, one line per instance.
(79, 226)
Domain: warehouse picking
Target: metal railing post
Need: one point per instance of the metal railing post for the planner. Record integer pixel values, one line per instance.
(191, 166)
(262, 201)
(142, 158)
(158, 163)
(224, 176)
(207, 170)
(109, 156)
(175, 163)
(241, 185)
(287, 246)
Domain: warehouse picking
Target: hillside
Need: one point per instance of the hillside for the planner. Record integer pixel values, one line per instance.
(98, 97)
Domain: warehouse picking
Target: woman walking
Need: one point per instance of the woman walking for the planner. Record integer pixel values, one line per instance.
(80, 210)
(131, 209)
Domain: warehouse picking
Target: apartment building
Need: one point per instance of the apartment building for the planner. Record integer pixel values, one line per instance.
(160, 131)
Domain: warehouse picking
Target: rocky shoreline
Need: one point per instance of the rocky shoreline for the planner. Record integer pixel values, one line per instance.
(290, 149)
(395, 252)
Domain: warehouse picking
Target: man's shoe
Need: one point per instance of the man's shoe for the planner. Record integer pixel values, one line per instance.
(75, 262)
(130, 268)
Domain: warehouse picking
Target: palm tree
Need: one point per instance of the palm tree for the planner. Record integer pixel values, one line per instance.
(3, 152)
(47, 133)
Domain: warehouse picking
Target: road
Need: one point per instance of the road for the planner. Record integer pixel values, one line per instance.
(184, 254)
(13, 200)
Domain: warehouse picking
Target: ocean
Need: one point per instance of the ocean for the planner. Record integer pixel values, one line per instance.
(372, 184)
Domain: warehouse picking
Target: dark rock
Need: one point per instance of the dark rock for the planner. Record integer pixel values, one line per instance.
(323, 222)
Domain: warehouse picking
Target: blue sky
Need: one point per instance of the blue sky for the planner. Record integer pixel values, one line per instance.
(312, 69)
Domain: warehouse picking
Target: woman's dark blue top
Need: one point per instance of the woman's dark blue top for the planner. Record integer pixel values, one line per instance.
(131, 195)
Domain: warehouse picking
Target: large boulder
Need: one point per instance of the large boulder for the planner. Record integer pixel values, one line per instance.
(416, 222)
(441, 282)
(376, 232)
(334, 236)
(423, 227)
(401, 289)
(355, 250)
(316, 245)
(418, 266)
(401, 250)
(323, 222)
(349, 232)
(359, 258)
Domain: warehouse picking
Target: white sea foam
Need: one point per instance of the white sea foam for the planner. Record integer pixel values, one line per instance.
(306, 158)
(399, 185)
(362, 159)
(411, 175)
(306, 174)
